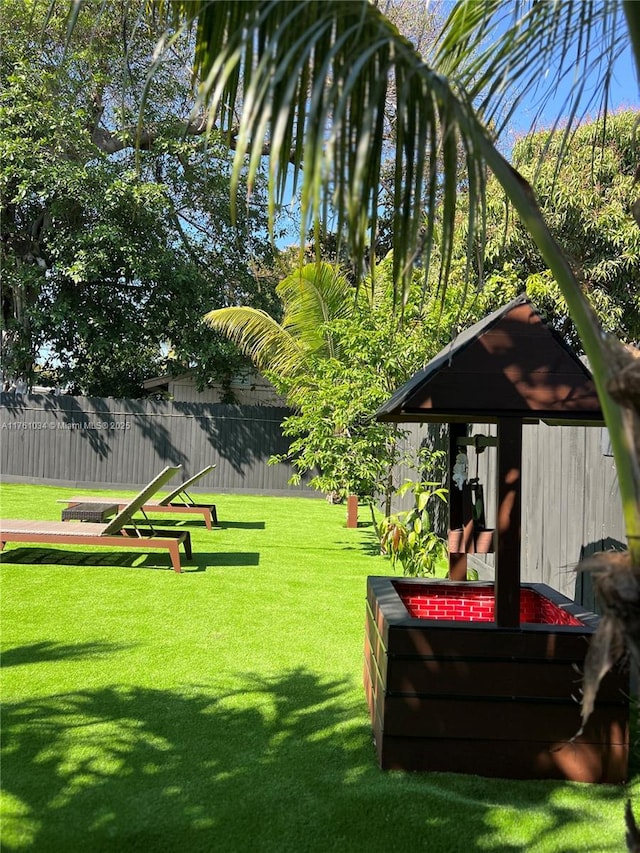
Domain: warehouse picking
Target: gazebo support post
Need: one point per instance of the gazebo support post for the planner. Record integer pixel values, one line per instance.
(457, 515)
(507, 553)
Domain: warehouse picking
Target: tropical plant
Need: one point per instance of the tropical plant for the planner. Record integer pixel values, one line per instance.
(333, 357)
(408, 537)
(334, 439)
(311, 297)
(337, 355)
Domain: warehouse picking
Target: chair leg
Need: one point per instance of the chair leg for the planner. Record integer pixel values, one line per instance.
(174, 553)
(187, 545)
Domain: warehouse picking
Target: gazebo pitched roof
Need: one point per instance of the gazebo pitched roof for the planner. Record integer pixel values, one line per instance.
(510, 364)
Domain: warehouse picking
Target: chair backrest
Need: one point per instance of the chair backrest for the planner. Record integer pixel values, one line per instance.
(127, 512)
(181, 488)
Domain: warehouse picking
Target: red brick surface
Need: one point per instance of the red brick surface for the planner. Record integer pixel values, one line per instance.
(456, 604)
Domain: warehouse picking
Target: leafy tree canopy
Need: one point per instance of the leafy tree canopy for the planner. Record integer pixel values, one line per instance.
(377, 347)
(110, 255)
(338, 353)
(584, 197)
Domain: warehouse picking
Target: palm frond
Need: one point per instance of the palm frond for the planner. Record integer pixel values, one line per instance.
(314, 81)
(313, 296)
(259, 337)
(510, 55)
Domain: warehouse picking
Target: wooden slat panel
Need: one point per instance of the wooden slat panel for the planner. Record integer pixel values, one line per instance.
(374, 689)
(512, 759)
(238, 439)
(377, 616)
(571, 505)
(376, 643)
(571, 497)
(502, 679)
(458, 639)
(483, 719)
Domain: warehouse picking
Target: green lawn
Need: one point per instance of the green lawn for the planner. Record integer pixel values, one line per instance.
(223, 709)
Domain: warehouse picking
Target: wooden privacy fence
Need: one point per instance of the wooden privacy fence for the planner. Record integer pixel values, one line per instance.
(111, 443)
(570, 499)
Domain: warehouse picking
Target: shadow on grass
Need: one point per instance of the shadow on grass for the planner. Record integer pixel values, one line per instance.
(365, 540)
(186, 523)
(279, 764)
(243, 525)
(38, 556)
(199, 562)
(50, 651)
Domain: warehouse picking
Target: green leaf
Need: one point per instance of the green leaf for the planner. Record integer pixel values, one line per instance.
(423, 500)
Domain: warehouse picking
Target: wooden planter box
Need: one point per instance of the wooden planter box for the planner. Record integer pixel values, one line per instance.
(449, 691)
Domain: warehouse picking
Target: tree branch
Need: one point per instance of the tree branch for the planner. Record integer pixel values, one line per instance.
(129, 137)
(111, 142)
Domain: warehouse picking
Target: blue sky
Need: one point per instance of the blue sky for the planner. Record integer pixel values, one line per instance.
(625, 93)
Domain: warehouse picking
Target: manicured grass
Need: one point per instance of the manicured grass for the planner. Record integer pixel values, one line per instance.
(223, 709)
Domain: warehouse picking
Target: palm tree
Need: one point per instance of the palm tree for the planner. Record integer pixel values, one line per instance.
(306, 83)
(311, 297)
(291, 352)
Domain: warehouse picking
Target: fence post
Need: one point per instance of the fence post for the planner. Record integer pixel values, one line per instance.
(352, 511)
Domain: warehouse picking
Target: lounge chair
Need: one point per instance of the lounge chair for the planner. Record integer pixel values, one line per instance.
(113, 534)
(177, 501)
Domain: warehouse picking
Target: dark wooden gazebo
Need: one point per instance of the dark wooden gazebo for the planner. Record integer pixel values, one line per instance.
(509, 369)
